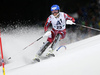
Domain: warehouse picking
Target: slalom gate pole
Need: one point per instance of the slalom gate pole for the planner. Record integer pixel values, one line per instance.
(88, 27)
(2, 55)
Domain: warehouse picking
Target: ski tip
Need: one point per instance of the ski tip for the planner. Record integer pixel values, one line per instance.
(60, 47)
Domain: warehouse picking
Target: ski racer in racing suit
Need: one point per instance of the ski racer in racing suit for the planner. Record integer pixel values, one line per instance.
(58, 20)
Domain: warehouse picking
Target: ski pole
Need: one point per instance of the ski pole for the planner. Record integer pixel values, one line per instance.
(46, 34)
(87, 27)
(33, 42)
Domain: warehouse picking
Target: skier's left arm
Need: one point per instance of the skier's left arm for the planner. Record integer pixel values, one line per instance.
(67, 17)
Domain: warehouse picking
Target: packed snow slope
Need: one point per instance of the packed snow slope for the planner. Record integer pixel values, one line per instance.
(80, 58)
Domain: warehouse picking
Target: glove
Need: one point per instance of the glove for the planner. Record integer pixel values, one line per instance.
(70, 22)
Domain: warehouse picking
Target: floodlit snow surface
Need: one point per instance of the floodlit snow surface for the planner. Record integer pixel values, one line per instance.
(80, 58)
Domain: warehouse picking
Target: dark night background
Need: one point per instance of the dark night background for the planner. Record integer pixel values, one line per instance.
(35, 10)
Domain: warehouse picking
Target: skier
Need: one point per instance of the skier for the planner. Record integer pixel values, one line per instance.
(58, 20)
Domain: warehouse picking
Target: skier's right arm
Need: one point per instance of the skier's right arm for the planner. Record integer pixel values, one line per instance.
(47, 24)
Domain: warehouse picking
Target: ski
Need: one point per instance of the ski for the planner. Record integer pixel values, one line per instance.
(50, 55)
(36, 60)
(61, 47)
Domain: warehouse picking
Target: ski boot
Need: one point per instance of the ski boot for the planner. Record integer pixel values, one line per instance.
(37, 59)
(50, 53)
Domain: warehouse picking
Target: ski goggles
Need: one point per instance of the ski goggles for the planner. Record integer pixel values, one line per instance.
(54, 11)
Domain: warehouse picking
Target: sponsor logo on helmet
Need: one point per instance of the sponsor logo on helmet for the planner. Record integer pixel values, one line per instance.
(54, 8)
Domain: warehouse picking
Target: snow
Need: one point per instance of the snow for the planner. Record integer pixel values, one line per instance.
(80, 58)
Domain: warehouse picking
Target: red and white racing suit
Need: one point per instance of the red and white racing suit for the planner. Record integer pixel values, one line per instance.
(58, 25)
